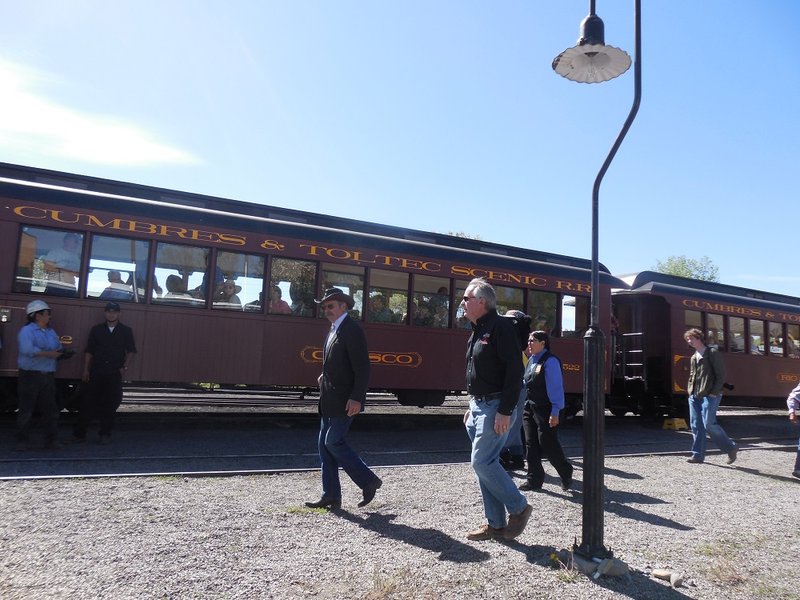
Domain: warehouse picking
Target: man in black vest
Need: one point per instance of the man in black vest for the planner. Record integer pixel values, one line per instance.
(545, 384)
(342, 392)
(109, 351)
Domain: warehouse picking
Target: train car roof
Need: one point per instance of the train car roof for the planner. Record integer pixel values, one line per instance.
(652, 282)
(221, 208)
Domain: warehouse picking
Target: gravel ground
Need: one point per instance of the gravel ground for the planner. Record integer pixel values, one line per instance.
(731, 532)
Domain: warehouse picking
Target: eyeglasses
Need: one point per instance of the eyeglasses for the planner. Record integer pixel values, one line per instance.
(44, 312)
(466, 299)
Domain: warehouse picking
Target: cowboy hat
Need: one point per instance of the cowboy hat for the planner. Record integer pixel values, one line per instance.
(336, 294)
(236, 288)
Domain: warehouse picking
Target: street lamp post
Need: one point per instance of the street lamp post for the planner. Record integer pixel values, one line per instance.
(591, 61)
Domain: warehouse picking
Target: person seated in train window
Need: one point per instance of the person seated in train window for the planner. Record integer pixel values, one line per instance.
(255, 305)
(302, 300)
(225, 296)
(176, 291)
(379, 312)
(737, 343)
(422, 315)
(277, 305)
(755, 345)
(117, 289)
(62, 266)
(440, 316)
(794, 350)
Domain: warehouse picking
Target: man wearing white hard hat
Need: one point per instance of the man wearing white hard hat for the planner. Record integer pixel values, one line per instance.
(39, 349)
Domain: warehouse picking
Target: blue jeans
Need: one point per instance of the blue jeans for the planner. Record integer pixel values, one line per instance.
(497, 488)
(334, 452)
(703, 419)
(514, 442)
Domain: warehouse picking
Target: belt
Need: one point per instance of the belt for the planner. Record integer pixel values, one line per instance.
(488, 397)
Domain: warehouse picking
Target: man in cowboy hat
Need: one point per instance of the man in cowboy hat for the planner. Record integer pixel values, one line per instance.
(343, 389)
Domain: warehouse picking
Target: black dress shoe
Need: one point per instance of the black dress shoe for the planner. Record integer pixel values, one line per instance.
(329, 503)
(369, 491)
(566, 483)
(530, 487)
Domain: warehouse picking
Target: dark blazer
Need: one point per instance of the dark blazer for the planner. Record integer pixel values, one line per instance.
(345, 370)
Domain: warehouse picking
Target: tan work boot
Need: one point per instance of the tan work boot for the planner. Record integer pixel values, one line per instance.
(485, 532)
(516, 523)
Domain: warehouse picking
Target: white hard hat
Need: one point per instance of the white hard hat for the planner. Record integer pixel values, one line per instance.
(36, 306)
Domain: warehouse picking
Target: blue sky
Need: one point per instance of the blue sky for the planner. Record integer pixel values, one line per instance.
(437, 115)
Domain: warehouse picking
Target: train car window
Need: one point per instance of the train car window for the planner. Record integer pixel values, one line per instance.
(350, 279)
(692, 319)
(388, 297)
(736, 334)
(715, 332)
(459, 316)
(431, 305)
(295, 279)
(509, 298)
(542, 307)
(183, 271)
(242, 281)
(756, 337)
(117, 269)
(574, 316)
(793, 341)
(775, 338)
(49, 262)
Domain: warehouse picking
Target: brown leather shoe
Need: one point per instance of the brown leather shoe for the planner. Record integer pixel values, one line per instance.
(325, 502)
(485, 532)
(516, 523)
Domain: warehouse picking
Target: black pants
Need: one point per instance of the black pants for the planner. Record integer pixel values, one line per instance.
(100, 400)
(541, 441)
(36, 390)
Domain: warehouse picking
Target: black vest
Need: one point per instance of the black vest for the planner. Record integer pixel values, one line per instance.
(534, 380)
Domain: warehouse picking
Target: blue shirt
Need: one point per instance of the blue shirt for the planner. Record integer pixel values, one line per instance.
(32, 339)
(553, 379)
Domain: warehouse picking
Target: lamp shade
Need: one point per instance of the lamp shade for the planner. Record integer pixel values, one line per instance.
(592, 63)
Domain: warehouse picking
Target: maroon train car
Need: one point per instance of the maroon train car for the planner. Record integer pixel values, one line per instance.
(223, 291)
(758, 332)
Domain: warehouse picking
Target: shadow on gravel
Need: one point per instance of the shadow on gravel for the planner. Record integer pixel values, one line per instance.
(618, 502)
(637, 585)
(761, 473)
(634, 584)
(447, 547)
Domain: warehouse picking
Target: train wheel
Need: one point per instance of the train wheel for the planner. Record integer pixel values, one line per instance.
(618, 412)
(420, 398)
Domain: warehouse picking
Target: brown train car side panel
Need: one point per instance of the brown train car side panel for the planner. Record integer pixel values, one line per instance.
(184, 344)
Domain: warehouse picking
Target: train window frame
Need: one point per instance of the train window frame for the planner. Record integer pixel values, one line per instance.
(752, 332)
(178, 285)
(737, 347)
(297, 280)
(243, 271)
(428, 291)
(350, 279)
(775, 332)
(130, 282)
(793, 340)
(40, 276)
(578, 306)
(543, 317)
(388, 286)
(715, 328)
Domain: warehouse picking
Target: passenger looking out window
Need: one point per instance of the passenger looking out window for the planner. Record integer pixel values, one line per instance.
(277, 305)
(226, 296)
(49, 262)
(296, 280)
(116, 289)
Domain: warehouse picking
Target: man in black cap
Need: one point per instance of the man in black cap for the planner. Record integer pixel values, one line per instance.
(342, 391)
(109, 351)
